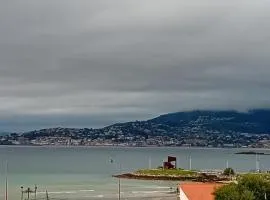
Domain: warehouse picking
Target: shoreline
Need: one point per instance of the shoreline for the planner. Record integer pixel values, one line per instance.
(139, 147)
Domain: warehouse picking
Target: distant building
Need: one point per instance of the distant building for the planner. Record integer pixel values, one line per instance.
(197, 191)
(23, 141)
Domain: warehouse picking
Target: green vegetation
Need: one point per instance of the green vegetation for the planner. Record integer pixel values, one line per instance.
(264, 176)
(231, 192)
(229, 172)
(249, 187)
(166, 172)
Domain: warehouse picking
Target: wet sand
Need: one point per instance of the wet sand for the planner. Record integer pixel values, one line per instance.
(150, 197)
(169, 197)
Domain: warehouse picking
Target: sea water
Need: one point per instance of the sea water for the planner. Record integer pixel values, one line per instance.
(86, 172)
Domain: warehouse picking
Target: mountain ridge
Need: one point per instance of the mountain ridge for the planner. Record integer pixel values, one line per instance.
(261, 117)
(194, 128)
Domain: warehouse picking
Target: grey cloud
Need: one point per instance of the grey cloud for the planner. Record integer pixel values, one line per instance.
(114, 60)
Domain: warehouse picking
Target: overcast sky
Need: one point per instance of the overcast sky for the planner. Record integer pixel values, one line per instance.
(90, 63)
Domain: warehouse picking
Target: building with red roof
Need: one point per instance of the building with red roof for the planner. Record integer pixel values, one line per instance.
(197, 191)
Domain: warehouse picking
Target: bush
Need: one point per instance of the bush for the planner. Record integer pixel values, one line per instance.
(228, 192)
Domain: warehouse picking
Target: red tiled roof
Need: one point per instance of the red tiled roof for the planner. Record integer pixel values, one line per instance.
(199, 191)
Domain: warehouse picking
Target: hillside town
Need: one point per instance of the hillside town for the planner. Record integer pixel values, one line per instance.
(196, 129)
(115, 137)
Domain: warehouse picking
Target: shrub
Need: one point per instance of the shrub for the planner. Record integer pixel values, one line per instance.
(249, 187)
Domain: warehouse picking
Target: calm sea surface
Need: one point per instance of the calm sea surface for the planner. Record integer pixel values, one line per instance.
(86, 172)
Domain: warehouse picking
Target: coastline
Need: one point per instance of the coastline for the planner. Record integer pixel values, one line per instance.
(139, 147)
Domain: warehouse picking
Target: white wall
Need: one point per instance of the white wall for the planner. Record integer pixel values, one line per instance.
(182, 195)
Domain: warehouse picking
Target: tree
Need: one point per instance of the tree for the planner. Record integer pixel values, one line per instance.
(249, 187)
(257, 184)
(229, 172)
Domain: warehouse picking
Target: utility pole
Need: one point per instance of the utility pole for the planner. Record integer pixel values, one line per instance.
(190, 163)
(257, 163)
(119, 183)
(119, 188)
(6, 195)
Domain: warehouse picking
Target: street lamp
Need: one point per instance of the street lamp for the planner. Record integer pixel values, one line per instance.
(21, 192)
(28, 191)
(119, 178)
(35, 192)
(119, 182)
